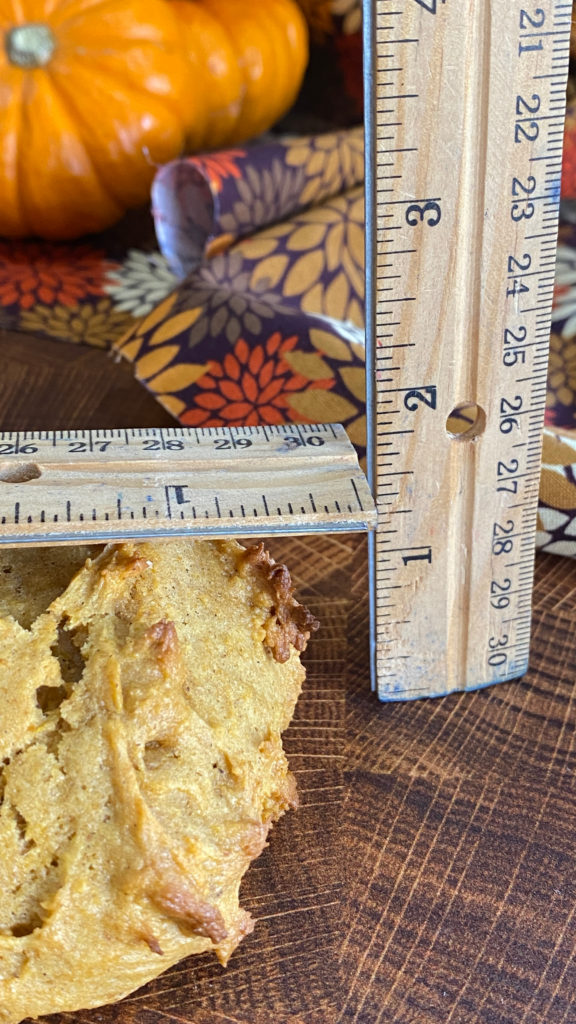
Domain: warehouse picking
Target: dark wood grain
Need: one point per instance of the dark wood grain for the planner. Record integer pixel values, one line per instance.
(461, 902)
(430, 874)
(50, 385)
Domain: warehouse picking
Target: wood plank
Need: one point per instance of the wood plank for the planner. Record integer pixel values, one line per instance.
(461, 838)
(49, 384)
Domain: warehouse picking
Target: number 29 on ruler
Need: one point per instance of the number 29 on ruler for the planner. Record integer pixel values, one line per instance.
(465, 116)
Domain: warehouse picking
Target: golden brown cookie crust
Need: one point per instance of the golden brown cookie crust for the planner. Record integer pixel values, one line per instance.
(143, 693)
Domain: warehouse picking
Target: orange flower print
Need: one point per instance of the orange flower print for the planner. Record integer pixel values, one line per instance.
(38, 272)
(218, 166)
(249, 387)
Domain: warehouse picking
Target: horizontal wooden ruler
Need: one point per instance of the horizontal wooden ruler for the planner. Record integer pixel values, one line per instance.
(465, 121)
(87, 486)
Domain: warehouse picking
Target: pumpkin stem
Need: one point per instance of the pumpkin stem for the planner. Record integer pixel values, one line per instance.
(30, 46)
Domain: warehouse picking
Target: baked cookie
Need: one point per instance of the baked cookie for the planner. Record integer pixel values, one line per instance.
(143, 692)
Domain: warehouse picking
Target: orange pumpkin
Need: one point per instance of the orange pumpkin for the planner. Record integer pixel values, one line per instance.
(94, 94)
(249, 58)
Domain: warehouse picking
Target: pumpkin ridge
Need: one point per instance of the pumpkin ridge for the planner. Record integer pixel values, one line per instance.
(74, 113)
(282, 97)
(107, 173)
(271, 36)
(62, 19)
(217, 76)
(28, 167)
(113, 78)
(229, 35)
(19, 135)
(20, 157)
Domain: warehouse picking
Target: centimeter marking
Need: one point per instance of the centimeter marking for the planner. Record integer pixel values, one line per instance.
(80, 486)
(464, 150)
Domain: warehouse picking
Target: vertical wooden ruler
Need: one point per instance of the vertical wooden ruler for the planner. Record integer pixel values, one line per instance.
(465, 119)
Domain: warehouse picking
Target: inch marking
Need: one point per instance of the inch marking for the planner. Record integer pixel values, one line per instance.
(167, 482)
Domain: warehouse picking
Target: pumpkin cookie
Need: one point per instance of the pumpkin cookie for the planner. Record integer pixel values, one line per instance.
(143, 692)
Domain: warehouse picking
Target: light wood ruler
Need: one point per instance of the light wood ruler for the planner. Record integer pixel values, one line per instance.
(81, 486)
(466, 105)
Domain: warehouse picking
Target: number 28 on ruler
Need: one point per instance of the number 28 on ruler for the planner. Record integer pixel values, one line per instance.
(465, 126)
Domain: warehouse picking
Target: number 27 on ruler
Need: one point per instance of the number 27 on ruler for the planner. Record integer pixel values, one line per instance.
(465, 120)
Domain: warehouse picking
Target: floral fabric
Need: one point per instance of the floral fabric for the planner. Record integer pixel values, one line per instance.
(270, 330)
(569, 155)
(557, 508)
(89, 293)
(205, 203)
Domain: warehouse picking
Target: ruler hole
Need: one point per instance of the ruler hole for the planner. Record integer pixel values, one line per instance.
(466, 421)
(19, 473)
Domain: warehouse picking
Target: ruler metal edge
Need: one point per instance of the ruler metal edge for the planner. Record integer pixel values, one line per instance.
(412, 671)
(96, 486)
(369, 56)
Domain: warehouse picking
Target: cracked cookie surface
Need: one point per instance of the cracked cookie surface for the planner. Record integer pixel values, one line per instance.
(141, 763)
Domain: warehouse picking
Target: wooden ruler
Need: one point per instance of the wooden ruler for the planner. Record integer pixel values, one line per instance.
(465, 119)
(77, 487)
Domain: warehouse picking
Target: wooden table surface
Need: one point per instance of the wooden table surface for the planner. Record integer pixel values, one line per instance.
(429, 876)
